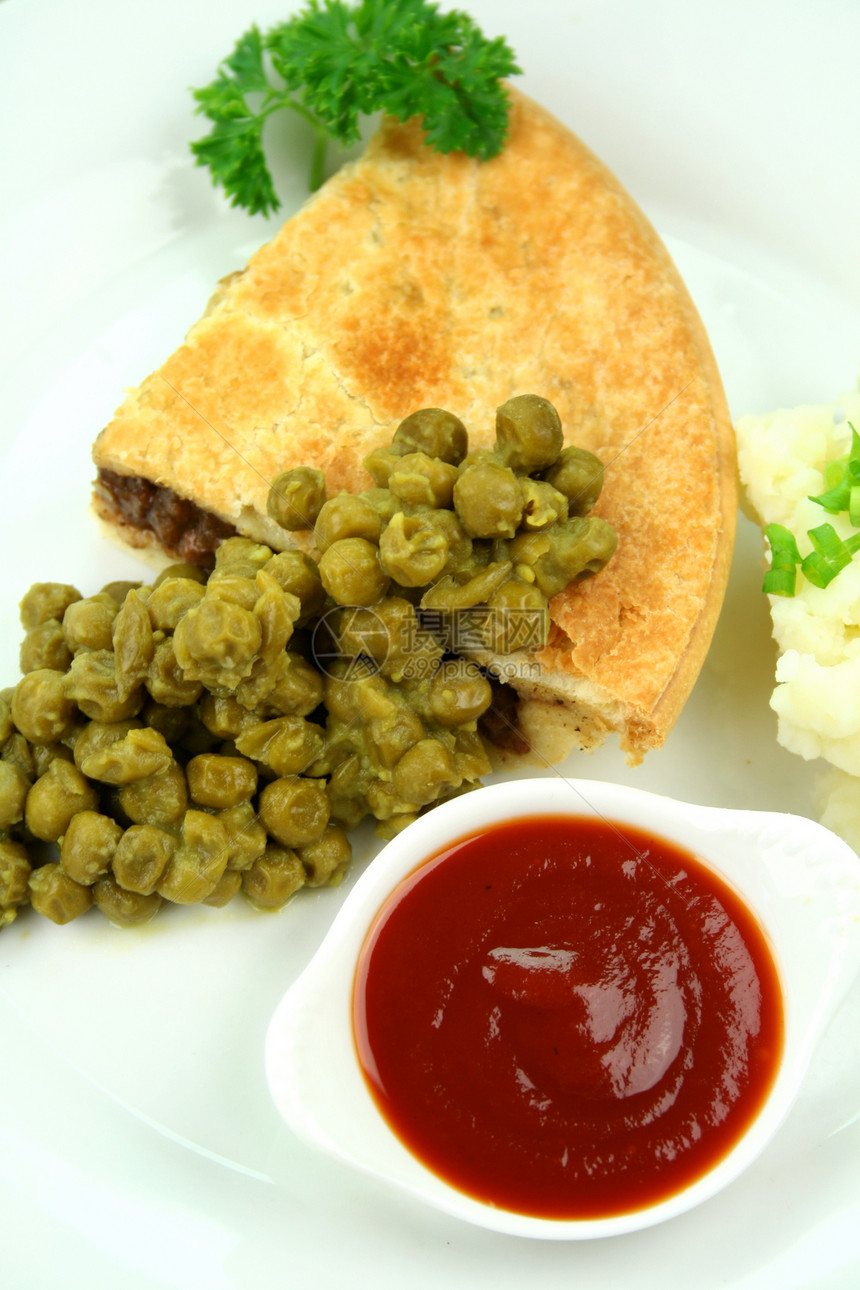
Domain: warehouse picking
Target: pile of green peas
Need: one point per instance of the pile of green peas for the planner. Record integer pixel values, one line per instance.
(450, 552)
(450, 531)
(157, 744)
(217, 733)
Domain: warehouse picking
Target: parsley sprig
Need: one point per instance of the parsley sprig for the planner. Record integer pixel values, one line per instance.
(830, 553)
(334, 63)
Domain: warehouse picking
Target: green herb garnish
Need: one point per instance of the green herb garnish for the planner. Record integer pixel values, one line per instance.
(842, 478)
(830, 553)
(781, 577)
(336, 62)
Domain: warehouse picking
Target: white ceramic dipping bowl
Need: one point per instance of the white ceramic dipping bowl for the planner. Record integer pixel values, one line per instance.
(800, 880)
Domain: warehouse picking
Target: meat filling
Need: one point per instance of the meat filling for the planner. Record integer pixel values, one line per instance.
(500, 723)
(182, 528)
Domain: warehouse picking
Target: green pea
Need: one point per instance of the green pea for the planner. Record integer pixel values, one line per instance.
(518, 617)
(389, 828)
(246, 835)
(470, 757)
(326, 860)
(354, 689)
(46, 600)
(460, 545)
(97, 735)
(565, 553)
(241, 557)
(298, 574)
(44, 754)
(543, 506)
(14, 787)
(45, 646)
(299, 690)
(6, 726)
(217, 642)
(88, 624)
(172, 598)
(420, 480)
(57, 896)
(88, 846)
(17, 752)
(55, 798)
(274, 878)
(91, 682)
(529, 436)
(392, 635)
(237, 588)
(276, 611)
(579, 475)
(383, 501)
(389, 737)
(142, 854)
(435, 432)
(413, 550)
(381, 464)
(222, 715)
(15, 869)
(296, 498)
(220, 782)
(228, 885)
(160, 799)
(488, 499)
(120, 587)
(295, 811)
(138, 755)
(359, 631)
(459, 694)
(352, 572)
(191, 572)
(173, 723)
(346, 516)
(165, 680)
(385, 803)
(348, 812)
(424, 771)
(196, 866)
(447, 594)
(288, 745)
(41, 708)
(124, 908)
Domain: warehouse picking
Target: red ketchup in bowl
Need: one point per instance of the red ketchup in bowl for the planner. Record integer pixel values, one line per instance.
(567, 1018)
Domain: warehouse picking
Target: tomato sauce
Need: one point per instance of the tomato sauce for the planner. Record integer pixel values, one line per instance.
(567, 1018)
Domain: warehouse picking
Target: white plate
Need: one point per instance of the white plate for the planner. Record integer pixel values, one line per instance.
(138, 1144)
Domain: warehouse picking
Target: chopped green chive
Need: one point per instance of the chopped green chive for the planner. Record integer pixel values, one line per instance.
(830, 553)
(780, 579)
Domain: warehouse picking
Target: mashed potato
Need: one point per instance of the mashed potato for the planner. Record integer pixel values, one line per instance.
(781, 458)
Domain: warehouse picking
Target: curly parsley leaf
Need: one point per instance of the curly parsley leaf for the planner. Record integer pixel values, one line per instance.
(335, 63)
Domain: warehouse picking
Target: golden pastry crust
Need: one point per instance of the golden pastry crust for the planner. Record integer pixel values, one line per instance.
(414, 279)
